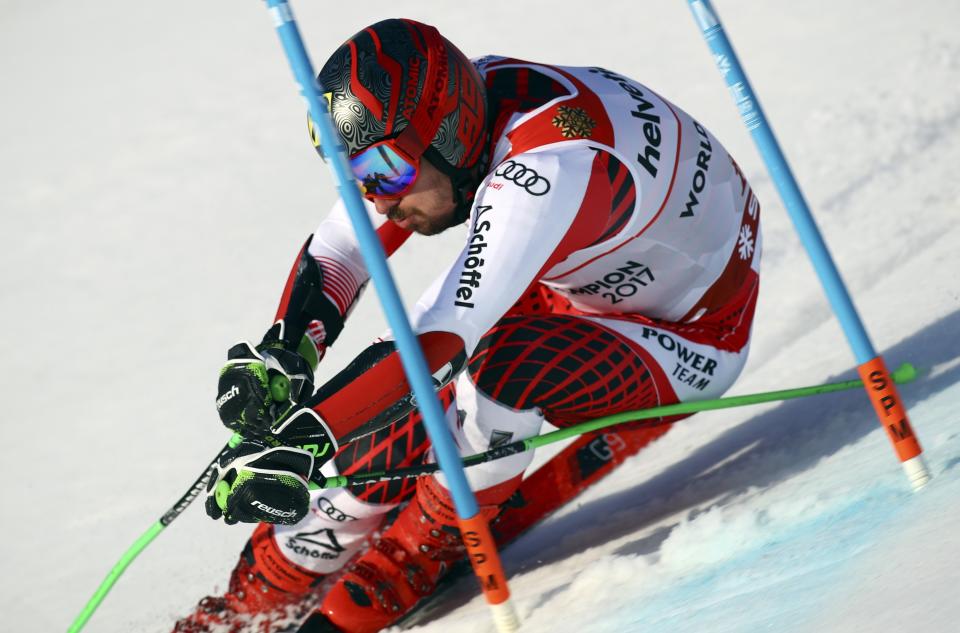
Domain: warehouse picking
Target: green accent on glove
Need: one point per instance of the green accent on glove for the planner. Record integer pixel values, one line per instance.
(314, 449)
(259, 369)
(279, 388)
(308, 350)
(223, 491)
(242, 477)
(290, 481)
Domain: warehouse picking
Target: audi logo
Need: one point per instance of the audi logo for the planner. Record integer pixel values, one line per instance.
(521, 175)
(332, 511)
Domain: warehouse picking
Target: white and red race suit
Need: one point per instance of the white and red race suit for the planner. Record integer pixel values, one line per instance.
(611, 264)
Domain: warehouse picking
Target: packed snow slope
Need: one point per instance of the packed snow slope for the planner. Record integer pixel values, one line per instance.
(156, 182)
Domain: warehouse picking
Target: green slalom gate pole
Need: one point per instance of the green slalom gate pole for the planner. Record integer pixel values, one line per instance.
(905, 373)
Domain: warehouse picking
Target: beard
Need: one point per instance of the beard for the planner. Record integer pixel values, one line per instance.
(435, 226)
(422, 223)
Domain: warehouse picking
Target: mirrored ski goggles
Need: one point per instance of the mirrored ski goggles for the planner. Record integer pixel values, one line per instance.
(384, 171)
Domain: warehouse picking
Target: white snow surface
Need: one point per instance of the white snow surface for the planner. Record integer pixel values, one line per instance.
(156, 182)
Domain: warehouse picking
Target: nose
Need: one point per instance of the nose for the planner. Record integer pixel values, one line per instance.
(384, 206)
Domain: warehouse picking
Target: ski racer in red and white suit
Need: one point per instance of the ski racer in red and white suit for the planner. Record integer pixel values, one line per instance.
(611, 264)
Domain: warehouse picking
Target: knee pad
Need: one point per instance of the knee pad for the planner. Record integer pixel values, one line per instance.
(484, 423)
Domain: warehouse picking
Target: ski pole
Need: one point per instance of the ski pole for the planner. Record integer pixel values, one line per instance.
(277, 387)
(147, 537)
(481, 548)
(903, 374)
(889, 408)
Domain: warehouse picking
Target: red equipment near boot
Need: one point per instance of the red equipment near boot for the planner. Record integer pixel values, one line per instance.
(405, 564)
(265, 591)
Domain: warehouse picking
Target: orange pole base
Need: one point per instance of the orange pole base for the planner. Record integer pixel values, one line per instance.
(893, 417)
(482, 550)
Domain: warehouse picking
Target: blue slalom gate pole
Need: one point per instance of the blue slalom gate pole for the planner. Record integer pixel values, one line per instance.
(375, 259)
(477, 538)
(876, 378)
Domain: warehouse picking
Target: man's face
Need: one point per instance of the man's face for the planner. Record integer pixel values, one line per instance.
(428, 208)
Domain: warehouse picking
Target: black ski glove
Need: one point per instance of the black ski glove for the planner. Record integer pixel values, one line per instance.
(266, 478)
(259, 386)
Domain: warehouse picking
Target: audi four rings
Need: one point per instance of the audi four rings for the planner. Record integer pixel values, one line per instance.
(523, 176)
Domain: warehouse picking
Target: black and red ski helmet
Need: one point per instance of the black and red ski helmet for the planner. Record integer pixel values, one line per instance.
(399, 73)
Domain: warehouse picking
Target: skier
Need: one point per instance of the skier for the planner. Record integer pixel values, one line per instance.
(611, 263)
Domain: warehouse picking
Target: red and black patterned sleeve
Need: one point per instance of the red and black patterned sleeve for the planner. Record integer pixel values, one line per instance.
(326, 280)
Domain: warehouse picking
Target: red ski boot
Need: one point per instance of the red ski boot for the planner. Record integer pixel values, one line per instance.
(266, 592)
(405, 564)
